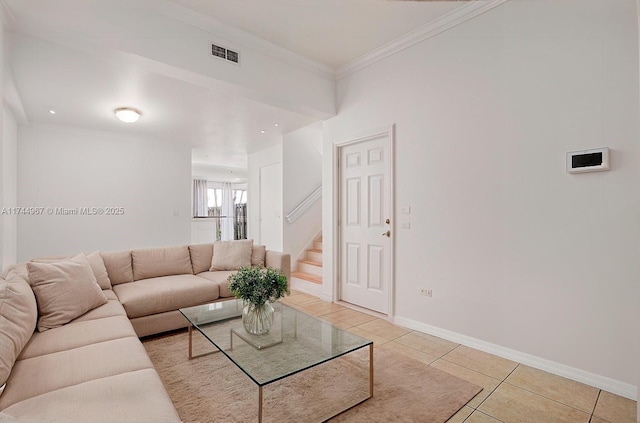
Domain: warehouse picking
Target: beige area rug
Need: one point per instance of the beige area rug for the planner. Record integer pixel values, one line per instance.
(212, 389)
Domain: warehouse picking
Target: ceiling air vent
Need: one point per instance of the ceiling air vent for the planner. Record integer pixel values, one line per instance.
(225, 53)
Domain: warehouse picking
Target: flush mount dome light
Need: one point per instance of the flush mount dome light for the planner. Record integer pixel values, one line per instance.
(128, 114)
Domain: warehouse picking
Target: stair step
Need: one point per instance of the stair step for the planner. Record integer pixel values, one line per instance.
(314, 255)
(307, 277)
(317, 245)
(309, 266)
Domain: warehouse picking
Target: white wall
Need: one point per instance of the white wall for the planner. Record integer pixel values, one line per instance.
(302, 175)
(521, 256)
(8, 158)
(271, 156)
(71, 167)
(218, 173)
(9, 222)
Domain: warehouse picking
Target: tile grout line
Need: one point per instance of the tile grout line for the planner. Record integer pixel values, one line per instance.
(595, 404)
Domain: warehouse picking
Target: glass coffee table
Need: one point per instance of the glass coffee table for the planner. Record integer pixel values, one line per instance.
(296, 342)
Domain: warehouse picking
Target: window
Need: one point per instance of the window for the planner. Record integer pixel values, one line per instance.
(231, 222)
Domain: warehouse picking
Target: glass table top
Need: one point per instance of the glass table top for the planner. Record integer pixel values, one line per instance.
(297, 341)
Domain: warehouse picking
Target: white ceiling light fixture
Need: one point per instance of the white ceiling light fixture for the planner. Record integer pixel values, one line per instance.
(128, 114)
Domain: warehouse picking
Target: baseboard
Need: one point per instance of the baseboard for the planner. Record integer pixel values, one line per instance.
(607, 384)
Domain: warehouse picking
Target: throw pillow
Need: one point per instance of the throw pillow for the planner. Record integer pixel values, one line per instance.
(95, 260)
(18, 315)
(231, 255)
(258, 256)
(64, 290)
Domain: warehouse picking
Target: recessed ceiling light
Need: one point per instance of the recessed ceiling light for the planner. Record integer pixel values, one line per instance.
(53, 112)
(276, 124)
(127, 114)
(263, 131)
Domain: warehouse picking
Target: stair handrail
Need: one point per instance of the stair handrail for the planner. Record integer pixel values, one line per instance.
(304, 205)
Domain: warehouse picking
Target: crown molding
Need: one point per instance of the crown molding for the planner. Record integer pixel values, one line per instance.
(429, 30)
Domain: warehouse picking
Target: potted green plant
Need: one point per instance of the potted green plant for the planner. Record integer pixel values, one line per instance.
(258, 288)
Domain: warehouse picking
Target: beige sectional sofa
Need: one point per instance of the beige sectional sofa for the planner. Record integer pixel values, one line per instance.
(62, 366)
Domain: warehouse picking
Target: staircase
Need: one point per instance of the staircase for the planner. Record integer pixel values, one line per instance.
(310, 267)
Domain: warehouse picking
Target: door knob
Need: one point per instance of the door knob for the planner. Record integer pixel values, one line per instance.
(387, 234)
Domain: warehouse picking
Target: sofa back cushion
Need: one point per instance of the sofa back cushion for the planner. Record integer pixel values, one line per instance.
(99, 270)
(201, 255)
(118, 265)
(64, 290)
(232, 255)
(165, 261)
(258, 255)
(18, 316)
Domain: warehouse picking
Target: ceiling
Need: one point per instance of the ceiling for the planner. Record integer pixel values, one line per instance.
(62, 58)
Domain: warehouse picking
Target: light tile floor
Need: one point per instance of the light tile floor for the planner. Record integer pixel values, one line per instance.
(512, 392)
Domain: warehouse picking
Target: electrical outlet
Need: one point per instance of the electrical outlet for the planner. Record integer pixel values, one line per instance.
(426, 292)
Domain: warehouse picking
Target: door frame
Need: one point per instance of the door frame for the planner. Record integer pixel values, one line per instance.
(260, 201)
(389, 132)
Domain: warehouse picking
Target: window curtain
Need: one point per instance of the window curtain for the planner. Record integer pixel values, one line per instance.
(200, 198)
(228, 211)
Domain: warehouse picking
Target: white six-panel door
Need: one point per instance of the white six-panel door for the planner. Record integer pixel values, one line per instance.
(364, 225)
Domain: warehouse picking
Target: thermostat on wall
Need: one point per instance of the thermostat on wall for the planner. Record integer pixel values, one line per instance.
(595, 160)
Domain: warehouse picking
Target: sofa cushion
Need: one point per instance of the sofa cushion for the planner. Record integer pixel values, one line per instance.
(5, 418)
(45, 373)
(108, 309)
(18, 316)
(258, 255)
(118, 265)
(138, 396)
(220, 278)
(201, 255)
(232, 255)
(77, 334)
(64, 290)
(165, 261)
(166, 293)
